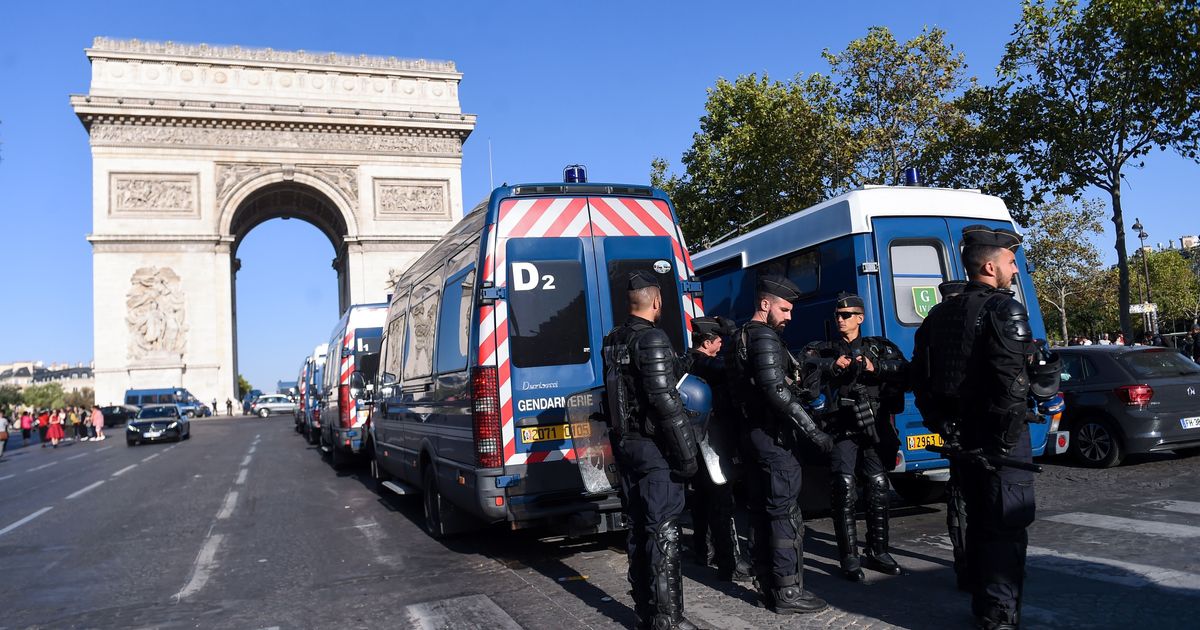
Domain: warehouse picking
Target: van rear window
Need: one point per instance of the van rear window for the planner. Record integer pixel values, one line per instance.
(547, 313)
(618, 283)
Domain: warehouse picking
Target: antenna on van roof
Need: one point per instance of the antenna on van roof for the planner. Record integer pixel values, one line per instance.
(708, 244)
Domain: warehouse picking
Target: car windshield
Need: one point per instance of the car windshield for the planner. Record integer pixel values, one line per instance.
(157, 412)
(1159, 363)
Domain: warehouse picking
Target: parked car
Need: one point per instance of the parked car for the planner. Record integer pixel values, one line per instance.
(158, 422)
(116, 415)
(268, 404)
(1129, 399)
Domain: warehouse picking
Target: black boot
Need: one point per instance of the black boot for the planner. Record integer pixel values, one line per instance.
(792, 599)
(731, 566)
(842, 498)
(877, 556)
(666, 582)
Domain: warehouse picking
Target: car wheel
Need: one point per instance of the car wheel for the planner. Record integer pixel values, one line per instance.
(130, 442)
(1096, 444)
(434, 510)
(190, 414)
(188, 435)
(917, 489)
(263, 413)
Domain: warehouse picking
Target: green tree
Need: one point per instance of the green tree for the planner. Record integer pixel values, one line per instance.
(243, 386)
(772, 148)
(84, 398)
(1066, 263)
(1173, 284)
(1085, 93)
(48, 396)
(10, 396)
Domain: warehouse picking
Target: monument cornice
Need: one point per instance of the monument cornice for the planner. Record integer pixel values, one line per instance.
(171, 112)
(240, 56)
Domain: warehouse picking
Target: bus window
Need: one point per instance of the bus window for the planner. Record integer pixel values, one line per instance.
(917, 270)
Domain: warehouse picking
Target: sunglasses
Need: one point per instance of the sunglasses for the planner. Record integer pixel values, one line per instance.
(847, 314)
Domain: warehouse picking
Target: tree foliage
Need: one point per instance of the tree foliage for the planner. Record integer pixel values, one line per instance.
(84, 398)
(772, 148)
(1067, 265)
(1173, 283)
(243, 386)
(10, 396)
(1085, 93)
(48, 396)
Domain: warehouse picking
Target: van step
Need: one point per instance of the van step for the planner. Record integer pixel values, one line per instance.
(399, 487)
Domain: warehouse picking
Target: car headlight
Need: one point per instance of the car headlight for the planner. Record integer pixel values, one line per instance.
(130, 427)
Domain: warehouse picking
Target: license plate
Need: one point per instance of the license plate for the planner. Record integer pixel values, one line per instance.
(1190, 423)
(918, 442)
(554, 432)
(152, 434)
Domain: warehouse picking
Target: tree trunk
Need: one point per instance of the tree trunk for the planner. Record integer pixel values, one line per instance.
(1122, 259)
(1062, 311)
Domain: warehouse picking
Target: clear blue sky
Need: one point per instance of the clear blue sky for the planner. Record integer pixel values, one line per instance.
(552, 83)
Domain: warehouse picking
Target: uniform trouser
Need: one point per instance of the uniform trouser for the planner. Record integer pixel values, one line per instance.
(653, 502)
(774, 478)
(956, 520)
(852, 458)
(1000, 506)
(712, 516)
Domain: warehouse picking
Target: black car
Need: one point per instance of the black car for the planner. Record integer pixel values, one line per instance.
(158, 422)
(116, 415)
(1129, 399)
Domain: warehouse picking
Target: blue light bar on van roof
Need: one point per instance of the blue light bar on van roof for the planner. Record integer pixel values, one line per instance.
(575, 174)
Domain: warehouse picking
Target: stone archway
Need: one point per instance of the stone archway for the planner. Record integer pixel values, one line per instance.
(194, 145)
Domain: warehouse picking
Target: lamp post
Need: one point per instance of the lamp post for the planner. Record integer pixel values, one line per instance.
(1152, 317)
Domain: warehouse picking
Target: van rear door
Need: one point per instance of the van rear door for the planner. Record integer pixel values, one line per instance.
(563, 262)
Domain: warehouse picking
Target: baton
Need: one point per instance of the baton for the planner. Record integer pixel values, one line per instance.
(978, 454)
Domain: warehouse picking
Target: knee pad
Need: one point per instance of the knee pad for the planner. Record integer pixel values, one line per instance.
(667, 539)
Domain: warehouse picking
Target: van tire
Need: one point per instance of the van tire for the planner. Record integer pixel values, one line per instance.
(433, 504)
(378, 474)
(338, 458)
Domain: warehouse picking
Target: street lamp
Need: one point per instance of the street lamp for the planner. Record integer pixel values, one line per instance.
(1142, 236)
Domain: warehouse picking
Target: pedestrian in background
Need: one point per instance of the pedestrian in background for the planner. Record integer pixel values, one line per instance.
(55, 430)
(3, 432)
(26, 426)
(77, 423)
(43, 426)
(98, 423)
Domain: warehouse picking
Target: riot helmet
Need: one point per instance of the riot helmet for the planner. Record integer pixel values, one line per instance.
(1045, 372)
(697, 399)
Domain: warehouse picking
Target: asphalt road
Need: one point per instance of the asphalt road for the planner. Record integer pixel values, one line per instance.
(245, 526)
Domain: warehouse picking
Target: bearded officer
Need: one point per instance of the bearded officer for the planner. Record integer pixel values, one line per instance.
(714, 531)
(656, 453)
(969, 362)
(775, 427)
(863, 379)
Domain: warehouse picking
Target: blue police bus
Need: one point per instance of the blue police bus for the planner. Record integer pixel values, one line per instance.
(892, 245)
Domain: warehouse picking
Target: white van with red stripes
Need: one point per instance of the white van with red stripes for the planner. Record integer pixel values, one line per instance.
(352, 362)
(494, 329)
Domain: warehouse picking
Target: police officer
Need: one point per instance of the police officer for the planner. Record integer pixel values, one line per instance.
(775, 426)
(956, 506)
(970, 363)
(864, 379)
(714, 530)
(655, 451)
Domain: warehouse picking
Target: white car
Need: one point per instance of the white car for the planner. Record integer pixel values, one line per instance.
(268, 404)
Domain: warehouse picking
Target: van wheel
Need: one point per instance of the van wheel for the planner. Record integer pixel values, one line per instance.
(1095, 444)
(314, 438)
(377, 472)
(434, 510)
(337, 457)
(918, 490)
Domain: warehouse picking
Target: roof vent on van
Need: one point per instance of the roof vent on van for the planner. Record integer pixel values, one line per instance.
(575, 174)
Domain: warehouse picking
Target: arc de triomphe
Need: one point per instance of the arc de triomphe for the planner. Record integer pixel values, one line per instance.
(194, 145)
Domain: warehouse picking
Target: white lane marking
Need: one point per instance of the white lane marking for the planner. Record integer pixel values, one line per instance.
(241, 478)
(1120, 524)
(7, 477)
(1094, 568)
(206, 563)
(252, 447)
(169, 448)
(100, 450)
(257, 436)
(471, 611)
(41, 467)
(124, 470)
(246, 461)
(85, 490)
(24, 520)
(150, 457)
(1113, 571)
(76, 456)
(1183, 507)
(227, 507)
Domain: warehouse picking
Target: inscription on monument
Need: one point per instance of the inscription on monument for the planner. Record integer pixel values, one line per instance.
(153, 194)
(155, 314)
(408, 198)
(104, 134)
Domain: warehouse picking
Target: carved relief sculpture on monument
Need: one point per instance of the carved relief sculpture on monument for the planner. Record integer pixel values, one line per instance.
(155, 314)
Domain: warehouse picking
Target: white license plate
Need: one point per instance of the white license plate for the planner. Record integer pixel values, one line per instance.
(152, 434)
(1190, 423)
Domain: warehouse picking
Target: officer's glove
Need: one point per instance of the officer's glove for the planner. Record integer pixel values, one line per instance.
(1052, 407)
(822, 440)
